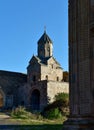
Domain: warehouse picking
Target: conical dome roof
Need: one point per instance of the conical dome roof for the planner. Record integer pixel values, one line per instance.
(44, 38)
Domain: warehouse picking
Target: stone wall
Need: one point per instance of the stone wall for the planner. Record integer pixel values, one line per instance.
(81, 53)
(52, 70)
(41, 86)
(9, 84)
(33, 71)
(54, 88)
(25, 93)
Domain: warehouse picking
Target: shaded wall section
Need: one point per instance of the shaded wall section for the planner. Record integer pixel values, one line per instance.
(9, 84)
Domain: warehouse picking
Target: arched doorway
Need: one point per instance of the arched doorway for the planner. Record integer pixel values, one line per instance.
(35, 100)
(1, 99)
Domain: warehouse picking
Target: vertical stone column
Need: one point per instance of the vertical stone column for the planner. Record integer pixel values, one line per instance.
(83, 60)
(81, 99)
(92, 52)
(74, 106)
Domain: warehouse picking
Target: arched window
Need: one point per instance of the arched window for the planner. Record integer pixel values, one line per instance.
(57, 78)
(46, 77)
(52, 66)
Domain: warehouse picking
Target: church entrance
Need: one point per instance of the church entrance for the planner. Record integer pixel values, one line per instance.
(1, 99)
(35, 100)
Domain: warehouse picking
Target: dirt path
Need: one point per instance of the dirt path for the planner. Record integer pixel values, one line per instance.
(6, 119)
(6, 123)
(4, 116)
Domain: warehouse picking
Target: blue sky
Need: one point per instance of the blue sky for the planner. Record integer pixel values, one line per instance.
(22, 24)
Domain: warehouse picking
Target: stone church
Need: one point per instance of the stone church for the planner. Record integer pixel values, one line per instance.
(34, 90)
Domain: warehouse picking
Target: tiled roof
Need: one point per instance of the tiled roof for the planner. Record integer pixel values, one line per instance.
(44, 38)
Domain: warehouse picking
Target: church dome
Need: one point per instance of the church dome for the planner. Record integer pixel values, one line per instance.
(44, 38)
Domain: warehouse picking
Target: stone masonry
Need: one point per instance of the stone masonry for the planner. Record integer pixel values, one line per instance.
(81, 65)
(45, 74)
(34, 90)
(9, 85)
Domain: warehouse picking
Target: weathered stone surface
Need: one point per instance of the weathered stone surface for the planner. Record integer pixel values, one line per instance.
(55, 87)
(45, 74)
(9, 84)
(81, 65)
(43, 81)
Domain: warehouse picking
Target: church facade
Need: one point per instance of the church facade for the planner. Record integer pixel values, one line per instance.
(34, 90)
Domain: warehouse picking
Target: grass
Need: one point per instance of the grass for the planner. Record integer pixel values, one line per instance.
(32, 124)
(36, 121)
(20, 119)
(27, 124)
